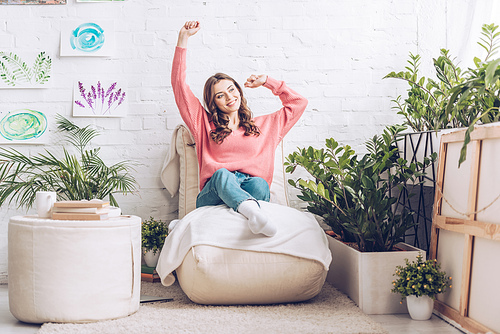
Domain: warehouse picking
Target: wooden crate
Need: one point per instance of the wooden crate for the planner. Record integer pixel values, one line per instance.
(465, 236)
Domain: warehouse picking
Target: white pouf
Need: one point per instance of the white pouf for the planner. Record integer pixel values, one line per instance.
(73, 271)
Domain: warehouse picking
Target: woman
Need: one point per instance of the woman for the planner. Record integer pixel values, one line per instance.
(235, 151)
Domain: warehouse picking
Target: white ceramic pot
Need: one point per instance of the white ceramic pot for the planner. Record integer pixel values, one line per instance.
(150, 258)
(420, 308)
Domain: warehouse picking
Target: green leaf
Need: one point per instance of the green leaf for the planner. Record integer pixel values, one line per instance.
(491, 69)
(367, 182)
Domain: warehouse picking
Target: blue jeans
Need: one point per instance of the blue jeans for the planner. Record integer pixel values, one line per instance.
(232, 188)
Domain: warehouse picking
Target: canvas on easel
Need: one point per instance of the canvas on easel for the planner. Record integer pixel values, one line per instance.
(466, 228)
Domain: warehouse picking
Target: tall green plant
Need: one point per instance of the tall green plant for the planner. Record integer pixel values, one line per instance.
(73, 176)
(358, 197)
(425, 107)
(456, 99)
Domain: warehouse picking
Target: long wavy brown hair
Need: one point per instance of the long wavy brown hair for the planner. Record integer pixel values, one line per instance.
(220, 119)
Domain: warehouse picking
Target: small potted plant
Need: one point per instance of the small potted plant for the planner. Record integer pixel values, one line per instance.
(419, 282)
(154, 233)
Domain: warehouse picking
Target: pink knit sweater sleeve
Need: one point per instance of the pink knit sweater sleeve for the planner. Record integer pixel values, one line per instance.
(294, 105)
(189, 106)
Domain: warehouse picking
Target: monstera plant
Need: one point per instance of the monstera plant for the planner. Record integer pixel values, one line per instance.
(79, 176)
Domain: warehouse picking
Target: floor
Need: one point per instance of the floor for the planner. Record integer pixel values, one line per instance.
(402, 323)
(9, 324)
(394, 324)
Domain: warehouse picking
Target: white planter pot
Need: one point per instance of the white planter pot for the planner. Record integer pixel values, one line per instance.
(420, 308)
(366, 277)
(150, 258)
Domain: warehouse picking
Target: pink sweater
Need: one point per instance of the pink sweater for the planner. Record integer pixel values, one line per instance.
(253, 155)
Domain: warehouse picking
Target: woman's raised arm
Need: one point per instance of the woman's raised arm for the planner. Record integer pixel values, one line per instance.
(188, 29)
(189, 106)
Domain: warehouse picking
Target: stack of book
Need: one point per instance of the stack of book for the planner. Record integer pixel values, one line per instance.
(80, 210)
(149, 274)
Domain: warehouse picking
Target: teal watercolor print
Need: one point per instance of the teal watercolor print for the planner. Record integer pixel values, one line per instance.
(87, 37)
(22, 126)
(16, 73)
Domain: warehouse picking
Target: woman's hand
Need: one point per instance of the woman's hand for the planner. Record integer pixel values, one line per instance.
(255, 81)
(188, 29)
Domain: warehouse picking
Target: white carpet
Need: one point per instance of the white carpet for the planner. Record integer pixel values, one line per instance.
(329, 312)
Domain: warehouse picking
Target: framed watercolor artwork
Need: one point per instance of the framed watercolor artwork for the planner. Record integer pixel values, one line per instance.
(99, 98)
(23, 126)
(87, 38)
(25, 70)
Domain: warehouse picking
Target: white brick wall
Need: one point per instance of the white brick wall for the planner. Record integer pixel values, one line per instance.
(335, 52)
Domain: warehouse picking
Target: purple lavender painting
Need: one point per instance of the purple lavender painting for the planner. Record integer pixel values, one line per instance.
(104, 99)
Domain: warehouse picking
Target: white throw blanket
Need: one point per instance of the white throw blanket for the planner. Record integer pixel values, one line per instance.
(299, 234)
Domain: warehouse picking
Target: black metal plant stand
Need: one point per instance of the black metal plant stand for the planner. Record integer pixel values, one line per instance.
(419, 198)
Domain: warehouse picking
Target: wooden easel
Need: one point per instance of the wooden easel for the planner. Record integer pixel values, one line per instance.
(467, 223)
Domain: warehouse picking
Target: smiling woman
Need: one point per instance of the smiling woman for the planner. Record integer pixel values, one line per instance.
(235, 151)
(227, 107)
(227, 97)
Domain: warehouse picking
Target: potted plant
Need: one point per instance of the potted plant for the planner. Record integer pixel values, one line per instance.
(357, 198)
(154, 233)
(455, 99)
(419, 282)
(73, 177)
(458, 99)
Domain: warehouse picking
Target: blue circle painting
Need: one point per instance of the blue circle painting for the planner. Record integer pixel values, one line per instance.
(88, 37)
(23, 124)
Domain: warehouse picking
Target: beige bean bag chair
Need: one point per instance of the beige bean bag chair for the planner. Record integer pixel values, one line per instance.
(218, 260)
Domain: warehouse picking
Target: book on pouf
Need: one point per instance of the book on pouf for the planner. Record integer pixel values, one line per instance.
(79, 216)
(81, 210)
